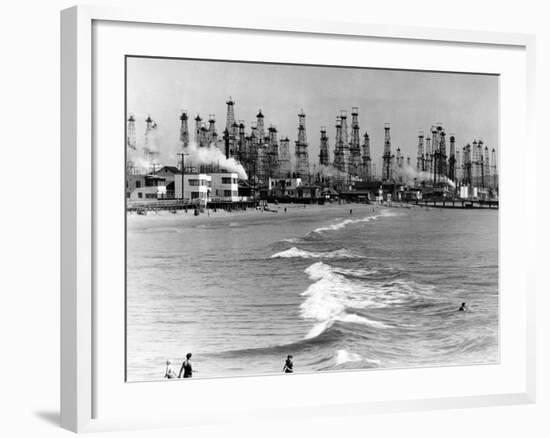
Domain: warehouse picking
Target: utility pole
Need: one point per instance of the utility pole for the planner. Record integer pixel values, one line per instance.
(182, 155)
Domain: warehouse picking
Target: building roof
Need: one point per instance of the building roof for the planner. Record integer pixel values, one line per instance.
(172, 169)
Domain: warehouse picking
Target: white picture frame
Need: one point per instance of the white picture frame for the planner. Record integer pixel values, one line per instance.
(83, 371)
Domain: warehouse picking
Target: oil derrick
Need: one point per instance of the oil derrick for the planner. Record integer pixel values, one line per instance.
(262, 164)
(477, 162)
(150, 148)
(493, 163)
(399, 165)
(387, 158)
(428, 156)
(131, 133)
(203, 139)
(184, 129)
(240, 149)
(366, 160)
(302, 158)
(439, 152)
(260, 129)
(323, 149)
(474, 160)
(285, 169)
(198, 126)
(273, 152)
(442, 158)
(148, 129)
(355, 143)
(230, 118)
(458, 166)
(231, 128)
(420, 153)
(451, 171)
(212, 135)
(481, 164)
(340, 148)
(467, 164)
(434, 155)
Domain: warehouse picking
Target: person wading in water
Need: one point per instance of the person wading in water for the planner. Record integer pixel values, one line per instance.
(169, 373)
(186, 367)
(289, 366)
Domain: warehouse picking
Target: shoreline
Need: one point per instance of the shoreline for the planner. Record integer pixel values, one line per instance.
(272, 209)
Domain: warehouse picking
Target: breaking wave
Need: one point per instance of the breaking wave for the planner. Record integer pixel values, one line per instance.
(338, 295)
(301, 253)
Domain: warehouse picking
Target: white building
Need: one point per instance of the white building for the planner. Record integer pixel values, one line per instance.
(143, 188)
(197, 187)
(225, 186)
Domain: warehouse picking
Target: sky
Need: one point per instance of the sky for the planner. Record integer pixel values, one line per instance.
(466, 104)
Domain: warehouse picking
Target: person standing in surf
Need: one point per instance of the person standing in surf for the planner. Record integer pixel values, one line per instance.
(186, 367)
(289, 366)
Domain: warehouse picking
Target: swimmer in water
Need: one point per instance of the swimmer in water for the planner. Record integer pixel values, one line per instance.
(462, 307)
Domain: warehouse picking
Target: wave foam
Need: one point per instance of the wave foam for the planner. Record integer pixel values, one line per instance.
(345, 223)
(336, 293)
(301, 253)
(343, 356)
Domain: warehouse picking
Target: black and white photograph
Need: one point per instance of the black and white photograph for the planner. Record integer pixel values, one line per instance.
(287, 218)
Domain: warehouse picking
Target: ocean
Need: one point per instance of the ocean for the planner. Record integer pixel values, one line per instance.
(378, 287)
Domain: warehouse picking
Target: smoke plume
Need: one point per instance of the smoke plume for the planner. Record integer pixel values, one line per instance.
(409, 174)
(211, 155)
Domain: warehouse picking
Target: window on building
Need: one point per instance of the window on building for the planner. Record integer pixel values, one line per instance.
(140, 195)
(138, 184)
(194, 195)
(227, 193)
(226, 180)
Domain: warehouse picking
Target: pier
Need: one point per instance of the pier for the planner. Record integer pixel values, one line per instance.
(456, 203)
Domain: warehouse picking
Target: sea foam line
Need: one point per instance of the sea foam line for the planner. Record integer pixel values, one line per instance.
(302, 253)
(345, 223)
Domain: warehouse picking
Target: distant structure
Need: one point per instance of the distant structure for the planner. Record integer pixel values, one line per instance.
(211, 135)
(285, 169)
(231, 128)
(467, 172)
(323, 148)
(355, 144)
(184, 129)
(341, 147)
(420, 160)
(387, 157)
(273, 152)
(198, 125)
(367, 165)
(131, 133)
(151, 152)
(451, 171)
(428, 156)
(302, 158)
